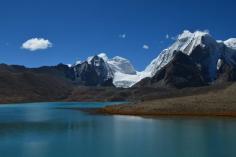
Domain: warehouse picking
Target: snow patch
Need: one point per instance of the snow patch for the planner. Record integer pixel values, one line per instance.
(231, 43)
(124, 74)
(126, 80)
(103, 56)
(219, 64)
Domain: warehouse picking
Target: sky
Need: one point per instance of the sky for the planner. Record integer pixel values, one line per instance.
(47, 32)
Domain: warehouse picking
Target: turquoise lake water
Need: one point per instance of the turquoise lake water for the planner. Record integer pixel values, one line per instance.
(43, 130)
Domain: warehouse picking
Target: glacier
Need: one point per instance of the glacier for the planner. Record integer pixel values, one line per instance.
(124, 74)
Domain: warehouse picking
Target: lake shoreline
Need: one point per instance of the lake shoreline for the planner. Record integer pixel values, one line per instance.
(106, 111)
(135, 109)
(145, 110)
(213, 103)
(210, 103)
(66, 127)
(110, 111)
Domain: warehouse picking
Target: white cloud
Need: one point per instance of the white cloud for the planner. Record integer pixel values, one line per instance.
(146, 47)
(123, 36)
(167, 36)
(35, 44)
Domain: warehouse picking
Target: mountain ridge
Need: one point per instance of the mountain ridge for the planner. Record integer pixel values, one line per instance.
(194, 60)
(215, 59)
(206, 52)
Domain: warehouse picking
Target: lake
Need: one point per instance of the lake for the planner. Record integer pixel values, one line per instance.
(45, 130)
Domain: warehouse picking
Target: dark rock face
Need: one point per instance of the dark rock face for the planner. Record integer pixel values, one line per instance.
(226, 73)
(107, 83)
(96, 73)
(206, 57)
(200, 67)
(49, 83)
(18, 83)
(201, 56)
(85, 74)
(179, 73)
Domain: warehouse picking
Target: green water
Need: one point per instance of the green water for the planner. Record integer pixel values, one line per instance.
(43, 130)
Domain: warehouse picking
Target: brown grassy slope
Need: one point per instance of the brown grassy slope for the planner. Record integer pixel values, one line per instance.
(20, 84)
(88, 94)
(31, 87)
(136, 94)
(216, 102)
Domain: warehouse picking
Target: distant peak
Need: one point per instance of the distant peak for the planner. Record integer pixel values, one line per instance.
(119, 58)
(100, 55)
(231, 40)
(103, 56)
(69, 65)
(188, 34)
(231, 43)
(78, 62)
(89, 59)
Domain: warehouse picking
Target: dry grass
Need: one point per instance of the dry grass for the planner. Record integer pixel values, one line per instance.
(217, 103)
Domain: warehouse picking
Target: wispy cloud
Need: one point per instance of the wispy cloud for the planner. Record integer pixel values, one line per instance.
(170, 37)
(35, 44)
(123, 36)
(167, 36)
(146, 47)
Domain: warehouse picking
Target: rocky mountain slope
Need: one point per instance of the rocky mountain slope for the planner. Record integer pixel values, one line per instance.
(179, 73)
(193, 60)
(118, 70)
(93, 73)
(214, 60)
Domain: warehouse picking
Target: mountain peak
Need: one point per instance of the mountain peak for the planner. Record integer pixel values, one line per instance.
(122, 65)
(187, 34)
(186, 42)
(231, 43)
(100, 55)
(119, 58)
(206, 52)
(103, 56)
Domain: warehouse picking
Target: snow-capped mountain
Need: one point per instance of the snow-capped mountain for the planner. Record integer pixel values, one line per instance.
(93, 72)
(187, 43)
(119, 69)
(123, 71)
(231, 43)
(205, 51)
(209, 55)
(122, 65)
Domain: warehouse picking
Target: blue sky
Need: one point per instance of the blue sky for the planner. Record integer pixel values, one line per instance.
(80, 28)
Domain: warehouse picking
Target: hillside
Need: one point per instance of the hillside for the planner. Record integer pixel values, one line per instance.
(18, 84)
(215, 102)
(191, 76)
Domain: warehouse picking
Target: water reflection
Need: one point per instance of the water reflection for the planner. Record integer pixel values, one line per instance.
(43, 131)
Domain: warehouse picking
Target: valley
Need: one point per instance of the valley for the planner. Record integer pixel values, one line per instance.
(194, 76)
